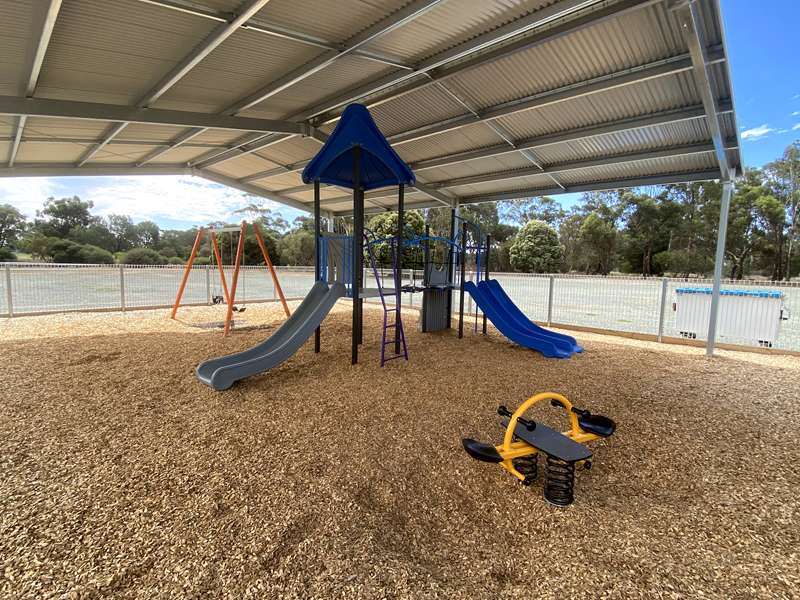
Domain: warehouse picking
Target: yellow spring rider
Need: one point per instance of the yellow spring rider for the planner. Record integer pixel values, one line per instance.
(525, 439)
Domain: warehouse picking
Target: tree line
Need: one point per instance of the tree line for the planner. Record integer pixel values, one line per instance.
(66, 231)
(648, 231)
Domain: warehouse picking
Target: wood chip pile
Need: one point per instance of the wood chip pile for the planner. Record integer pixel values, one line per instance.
(122, 476)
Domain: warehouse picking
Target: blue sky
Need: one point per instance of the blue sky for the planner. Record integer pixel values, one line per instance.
(763, 46)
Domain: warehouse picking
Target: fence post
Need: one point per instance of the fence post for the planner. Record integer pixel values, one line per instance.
(550, 301)
(122, 287)
(662, 308)
(9, 295)
(208, 285)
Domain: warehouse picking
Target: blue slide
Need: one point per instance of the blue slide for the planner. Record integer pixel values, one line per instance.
(500, 318)
(523, 321)
(513, 324)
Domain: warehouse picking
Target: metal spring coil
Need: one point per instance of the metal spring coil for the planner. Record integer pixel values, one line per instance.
(528, 466)
(559, 482)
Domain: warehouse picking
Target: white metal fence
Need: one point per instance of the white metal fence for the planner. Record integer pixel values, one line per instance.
(622, 304)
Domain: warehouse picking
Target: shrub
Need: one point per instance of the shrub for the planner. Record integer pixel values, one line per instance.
(6, 255)
(174, 260)
(536, 249)
(95, 255)
(143, 256)
(201, 261)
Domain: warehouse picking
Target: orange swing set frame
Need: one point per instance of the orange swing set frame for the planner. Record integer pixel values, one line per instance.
(229, 294)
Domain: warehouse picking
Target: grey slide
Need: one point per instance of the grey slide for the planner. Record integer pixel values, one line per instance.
(221, 373)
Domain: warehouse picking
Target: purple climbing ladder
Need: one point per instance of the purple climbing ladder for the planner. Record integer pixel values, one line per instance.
(397, 340)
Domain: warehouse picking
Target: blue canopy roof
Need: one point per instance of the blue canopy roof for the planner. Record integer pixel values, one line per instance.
(380, 165)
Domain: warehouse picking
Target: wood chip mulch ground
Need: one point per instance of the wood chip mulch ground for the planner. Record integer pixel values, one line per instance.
(121, 476)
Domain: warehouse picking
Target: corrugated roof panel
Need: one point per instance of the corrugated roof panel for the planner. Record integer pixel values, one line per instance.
(242, 64)
(466, 138)
(115, 51)
(65, 128)
(280, 182)
(242, 166)
(141, 131)
(344, 73)
(16, 44)
(427, 105)
(292, 150)
(503, 162)
(49, 152)
(180, 155)
(450, 23)
(121, 153)
(604, 48)
(646, 138)
(643, 98)
(332, 21)
(218, 136)
(494, 187)
(643, 168)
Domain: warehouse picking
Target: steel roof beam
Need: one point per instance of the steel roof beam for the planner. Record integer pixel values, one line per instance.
(691, 22)
(571, 135)
(652, 70)
(96, 170)
(522, 34)
(70, 109)
(382, 27)
(88, 141)
(47, 21)
(218, 35)
(389, 23)
(567, 166)
(251, 189)
(272, 30)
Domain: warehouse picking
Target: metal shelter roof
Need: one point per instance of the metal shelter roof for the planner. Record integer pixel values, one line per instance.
(484, 99)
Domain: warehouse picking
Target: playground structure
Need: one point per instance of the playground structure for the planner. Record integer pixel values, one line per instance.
(358, 157)
(228, 293)
(525, 439)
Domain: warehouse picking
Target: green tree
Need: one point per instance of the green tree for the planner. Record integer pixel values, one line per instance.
(147, 234)
(95, 234)
(384, 225)
(7, 255)
(569, 233)
(539, 208)
(58, 217)
(12, 225)
(536, 249)
(599, 238)
(297, 248)
(124, 232)
(771, 216)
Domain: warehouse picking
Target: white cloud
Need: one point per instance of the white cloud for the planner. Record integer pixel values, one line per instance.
(180, 198)
(796, 113)
(796, 127)
(757, 132)
(27, 193)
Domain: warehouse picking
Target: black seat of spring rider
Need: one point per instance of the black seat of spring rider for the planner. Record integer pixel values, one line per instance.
(597, 424)
(480, 451)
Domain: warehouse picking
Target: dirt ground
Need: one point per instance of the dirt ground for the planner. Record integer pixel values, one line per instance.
(121, 476)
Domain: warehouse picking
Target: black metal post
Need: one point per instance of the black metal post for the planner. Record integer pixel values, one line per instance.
(398, 282)
(358, 251)
(426, 246)
(318, 275)
(486, 278)
(450, 273)
(463, 256)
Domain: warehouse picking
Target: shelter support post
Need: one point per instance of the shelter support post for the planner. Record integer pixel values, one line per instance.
(317, 266)
(463, 258)
(450, 268)
(426, 261)
(662, 309)
(358, 252)
(486, 278)
(550, 286)
(9, 292)
(122, 288)
(398, 271)
(719, 262)
(188, 269)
